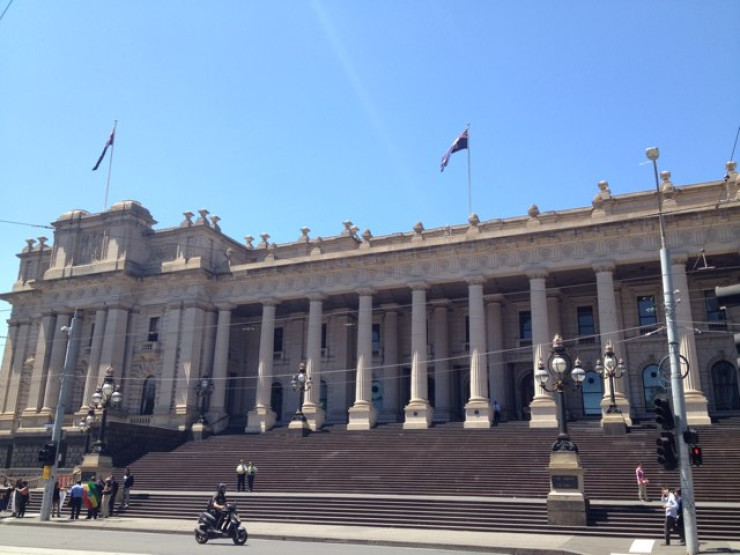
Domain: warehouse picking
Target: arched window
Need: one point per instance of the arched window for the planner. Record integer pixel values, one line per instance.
(652, 385)
(276, 400)
(148, 394)
(724, 381)
(593, 392)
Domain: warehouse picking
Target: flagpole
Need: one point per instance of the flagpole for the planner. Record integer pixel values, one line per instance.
(110, 163)
(470, 188)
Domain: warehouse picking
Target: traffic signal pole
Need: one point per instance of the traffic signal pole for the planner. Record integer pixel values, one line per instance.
(677, 392)
(56, 435)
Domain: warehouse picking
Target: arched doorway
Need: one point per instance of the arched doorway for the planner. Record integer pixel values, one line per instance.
(592, 392)
(724, 383)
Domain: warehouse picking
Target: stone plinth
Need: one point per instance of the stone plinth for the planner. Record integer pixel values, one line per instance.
(418, 415)
(478, 414)
(566, 503)
(613, 424)
(260, 420)
(362, 416)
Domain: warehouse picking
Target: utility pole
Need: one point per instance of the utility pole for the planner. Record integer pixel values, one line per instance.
(679, 404)
(56, 435)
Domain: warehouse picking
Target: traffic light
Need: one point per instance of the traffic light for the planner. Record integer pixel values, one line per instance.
(666, 449)
(664, 414)
(695, 455)
(47, 454)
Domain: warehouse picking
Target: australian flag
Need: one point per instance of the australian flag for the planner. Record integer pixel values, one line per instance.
(460, 143)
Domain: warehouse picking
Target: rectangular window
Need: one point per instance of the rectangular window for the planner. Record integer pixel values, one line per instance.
(525, 327)
(467, 334)
(153, 334)
(376, 339)
(647, 313)
(278, 340)
(586, 325)
(323, 336)
(716, 317)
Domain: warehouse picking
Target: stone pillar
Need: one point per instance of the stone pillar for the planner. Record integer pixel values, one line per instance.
(262, 418)
(609, 329)
(543, 410)
(39, 374)
(442, 376)
(478, 413)
(19, 345)
(188, 369)
(391, 401)
(220, 368)
(311, 408)
(495, 342)
(114, 342)
(418, 412)
(696, 402)
(56, 365)
(171, 329)
(93, 364)
(362, 415)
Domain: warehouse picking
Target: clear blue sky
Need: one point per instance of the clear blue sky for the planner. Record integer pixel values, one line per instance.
(279, 114)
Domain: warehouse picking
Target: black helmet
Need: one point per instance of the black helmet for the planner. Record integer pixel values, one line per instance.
(222, 487)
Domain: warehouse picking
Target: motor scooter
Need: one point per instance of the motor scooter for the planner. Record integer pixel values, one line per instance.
(231, 526)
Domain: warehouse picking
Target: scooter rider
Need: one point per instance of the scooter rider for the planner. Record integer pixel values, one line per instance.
(217, 506)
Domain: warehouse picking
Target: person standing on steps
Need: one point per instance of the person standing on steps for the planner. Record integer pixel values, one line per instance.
(251, 471)
(642, 483)
(128, 483)
(241, 473)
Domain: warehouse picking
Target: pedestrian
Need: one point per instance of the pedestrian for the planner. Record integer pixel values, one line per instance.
(642, 483)
(496, 413)
(241, 472)
(92, 499)
(679, 516)
(55, 500)
(113, 494)
(23, 496)
(671, 513)
(128, 483)
(5, 490)
(76, 493)
(251, 471)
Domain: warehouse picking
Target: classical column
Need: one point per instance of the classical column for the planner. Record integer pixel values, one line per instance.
(170, 338)
(114, 342)
(478, 413)
(37, 386)
(441, 350)
(390, 377)
(18, 342)
(262, 417)
(495, 342)
(311, 406)
(609, 330)
(188, 368)
(93, 364)
(542, 407)
(56, 364)
(8, 383)
(362, 415)
(220, 368)
(696, 402)
(418, 411)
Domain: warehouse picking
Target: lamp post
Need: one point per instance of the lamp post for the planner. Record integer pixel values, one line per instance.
(300, 382)
(565, 375)
(106, 395)
(566, 503)
(679, 405)
(608, 367)
(204, 388)
(85, 426)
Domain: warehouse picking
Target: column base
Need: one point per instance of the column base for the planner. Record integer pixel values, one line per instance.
(418, 415)
(201, 431)
(362, 416)
(613, 424)
(315, 416)
(298, 427)
(697, 413)
(544, 413)
(260, 420)
(622, 403)
(478, 414)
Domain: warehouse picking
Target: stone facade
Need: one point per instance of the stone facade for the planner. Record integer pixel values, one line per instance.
(418, 327)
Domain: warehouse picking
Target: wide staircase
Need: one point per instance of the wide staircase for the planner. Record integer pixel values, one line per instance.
(443, 478)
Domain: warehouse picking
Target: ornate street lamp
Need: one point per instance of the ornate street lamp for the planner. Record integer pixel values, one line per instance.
(612, 370)
(204, 388)
(85, 426)
(300, 382)
(565, 375)
(106, 395)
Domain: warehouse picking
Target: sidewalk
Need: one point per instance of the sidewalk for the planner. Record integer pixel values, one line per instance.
(488, 542)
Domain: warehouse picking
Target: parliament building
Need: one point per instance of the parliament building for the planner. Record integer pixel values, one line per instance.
(418, 327)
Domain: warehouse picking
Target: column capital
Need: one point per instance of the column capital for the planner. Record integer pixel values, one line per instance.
(270, 301)
(418, 285)
(224, 307)
(475, 280)
(365, 291)
(439, 303)
(604, 266)
(494, 298)
(537, 273)
(316, 297)
(117, 305)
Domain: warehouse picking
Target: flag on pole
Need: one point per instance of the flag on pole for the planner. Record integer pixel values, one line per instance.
(108, 143)
(460, 143)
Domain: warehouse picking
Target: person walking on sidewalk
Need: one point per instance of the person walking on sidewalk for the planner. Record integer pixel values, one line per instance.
(642, 483)
(251, 471)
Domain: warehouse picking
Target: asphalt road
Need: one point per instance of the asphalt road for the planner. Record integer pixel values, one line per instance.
(40, 540)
